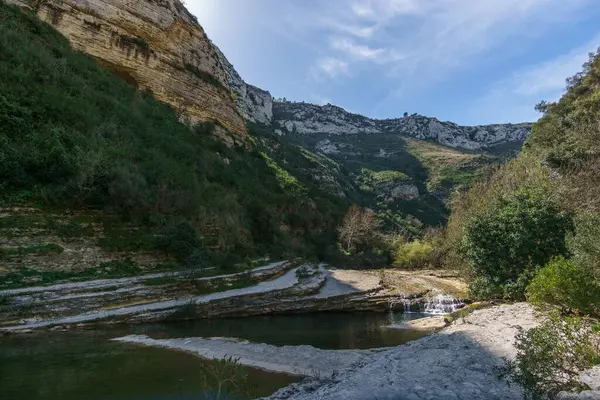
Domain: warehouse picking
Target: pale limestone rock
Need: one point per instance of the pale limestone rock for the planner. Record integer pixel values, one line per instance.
(304, 118)
(254, 104)
(391, 191)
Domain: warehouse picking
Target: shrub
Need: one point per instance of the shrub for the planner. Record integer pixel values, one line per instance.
(504, 247)
(584, 243)
(563, 284)
(550, 357)
(415, 254)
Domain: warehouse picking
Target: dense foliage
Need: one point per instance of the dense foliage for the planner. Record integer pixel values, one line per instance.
(563, 283)
(74, 135)
(505, 246)
(412, 255)
(502, 242)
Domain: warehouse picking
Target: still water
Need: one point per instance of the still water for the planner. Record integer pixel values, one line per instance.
(86, 365)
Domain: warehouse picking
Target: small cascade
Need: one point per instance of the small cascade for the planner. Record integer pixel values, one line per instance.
(406, 305)
(441, 304)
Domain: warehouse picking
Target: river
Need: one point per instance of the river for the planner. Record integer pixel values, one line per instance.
(86, 365)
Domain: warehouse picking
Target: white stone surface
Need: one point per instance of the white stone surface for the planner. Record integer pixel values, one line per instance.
(457, 363)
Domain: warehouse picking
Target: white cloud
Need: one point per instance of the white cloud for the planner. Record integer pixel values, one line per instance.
(354, 50)
(333, 66)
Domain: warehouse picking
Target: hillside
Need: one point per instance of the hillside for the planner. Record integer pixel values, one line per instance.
(86, 149)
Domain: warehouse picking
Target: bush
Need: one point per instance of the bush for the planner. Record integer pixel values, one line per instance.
(550, 357)
(584, 243)
(504, 247)
(415, 254)
(563, 284)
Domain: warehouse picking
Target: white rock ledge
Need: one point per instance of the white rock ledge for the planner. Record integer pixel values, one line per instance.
(293, 360)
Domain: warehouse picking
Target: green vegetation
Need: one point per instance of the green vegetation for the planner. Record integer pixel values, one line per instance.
(541, 205)
(74, 136)
(412, 255)
(110, 269)
(531, 228)
(505, 246)
(564, 284)
(584, 245)
(220, 285)
(551, 356)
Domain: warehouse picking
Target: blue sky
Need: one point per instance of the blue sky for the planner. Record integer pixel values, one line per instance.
(468, 61)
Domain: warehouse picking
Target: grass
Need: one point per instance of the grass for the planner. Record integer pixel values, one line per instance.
(302, 273)
(223, 284)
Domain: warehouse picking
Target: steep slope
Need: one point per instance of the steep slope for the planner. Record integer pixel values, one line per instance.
(75, 138)
(157, 46)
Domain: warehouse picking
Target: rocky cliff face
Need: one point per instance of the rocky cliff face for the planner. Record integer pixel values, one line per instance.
(156, 45)
(303, 118)
(255, 105)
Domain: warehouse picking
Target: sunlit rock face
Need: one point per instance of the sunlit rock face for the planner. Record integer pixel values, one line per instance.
(304, 118)
(156, 45)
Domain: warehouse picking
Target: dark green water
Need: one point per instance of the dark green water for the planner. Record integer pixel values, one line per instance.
(322, 330)
(86, 365)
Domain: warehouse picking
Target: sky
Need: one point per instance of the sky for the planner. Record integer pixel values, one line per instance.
(467, 61)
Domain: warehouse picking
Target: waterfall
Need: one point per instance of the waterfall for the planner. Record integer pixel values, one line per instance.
(406, 304)
(441, 304)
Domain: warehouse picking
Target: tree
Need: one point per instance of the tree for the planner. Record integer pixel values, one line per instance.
(507, 245)
(357, 228)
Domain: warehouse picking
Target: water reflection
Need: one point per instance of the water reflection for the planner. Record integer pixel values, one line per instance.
(322, 330)
(86, 365)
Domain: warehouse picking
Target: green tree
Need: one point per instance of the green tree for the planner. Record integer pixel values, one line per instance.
(505, 246)
(567, 286)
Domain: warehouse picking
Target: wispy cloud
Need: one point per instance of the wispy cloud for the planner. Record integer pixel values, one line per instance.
(515, 96)
(431, 37)
(354, 50)
(402, 51)
(333, 66)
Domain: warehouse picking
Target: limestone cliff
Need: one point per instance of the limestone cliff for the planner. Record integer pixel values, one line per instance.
(156, 45)
(254, 104)
(304, 118)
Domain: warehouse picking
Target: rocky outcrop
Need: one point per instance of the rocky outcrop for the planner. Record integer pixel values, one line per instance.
(396, 190)
(156, 45)
(304, 118)
(589, 378)
(254, 104)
